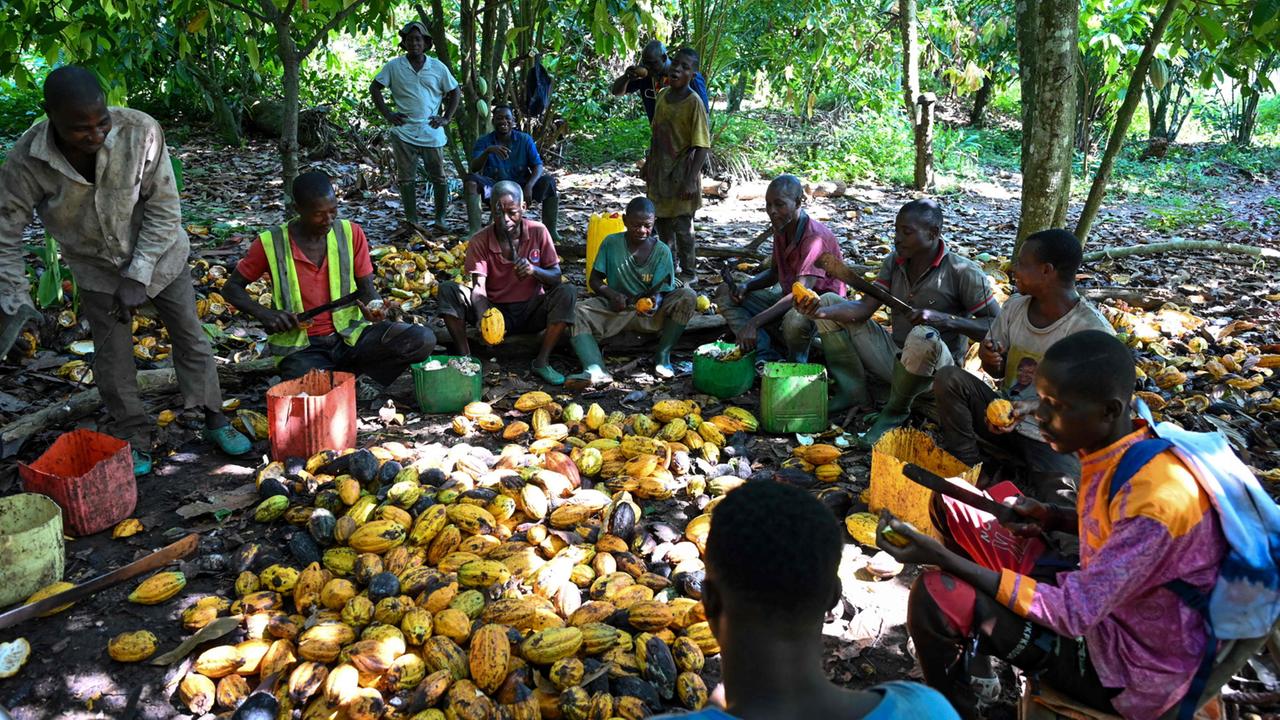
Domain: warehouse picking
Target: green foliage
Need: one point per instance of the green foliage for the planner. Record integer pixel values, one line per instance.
(19, 106)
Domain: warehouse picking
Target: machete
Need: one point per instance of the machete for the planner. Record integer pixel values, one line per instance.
(341, 302)
(971, 497)
(157, 559)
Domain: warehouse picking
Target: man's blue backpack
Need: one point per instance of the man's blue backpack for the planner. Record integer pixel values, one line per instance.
(1245, 600)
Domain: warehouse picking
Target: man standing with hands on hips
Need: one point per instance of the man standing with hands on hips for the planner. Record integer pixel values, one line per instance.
(418, 84)
(101, 181)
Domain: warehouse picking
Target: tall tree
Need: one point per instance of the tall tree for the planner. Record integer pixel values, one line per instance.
(298, 29)
(919, 107)
(1048, 59)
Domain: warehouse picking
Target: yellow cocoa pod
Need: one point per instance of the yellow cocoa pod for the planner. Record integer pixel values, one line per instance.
(493, 327)
(595, 417)
(197, 692)
(377, 536)
(218, 661)
(132, 646)
(800, 292)
(232, 690)
(818, 453)
(547, 646)
(532, 400)
(490, 654)
(49, 591)
(644, 305)
(1000, 413)
(158, 588)
(828, 473)
(691, 690)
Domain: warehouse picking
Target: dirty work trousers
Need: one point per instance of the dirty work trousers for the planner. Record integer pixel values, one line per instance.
(520, 318)
(962, 400)
(922, 354)
(383, 351)
(793, 329)
(594, 316)
(113, 363)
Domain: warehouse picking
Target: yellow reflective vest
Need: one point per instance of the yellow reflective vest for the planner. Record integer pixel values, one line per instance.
(349, 322)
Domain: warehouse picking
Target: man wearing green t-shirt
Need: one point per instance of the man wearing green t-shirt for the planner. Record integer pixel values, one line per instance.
(631, 268)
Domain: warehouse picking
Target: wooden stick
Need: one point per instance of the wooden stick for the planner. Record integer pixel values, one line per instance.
(1180, 246)
(157, 559)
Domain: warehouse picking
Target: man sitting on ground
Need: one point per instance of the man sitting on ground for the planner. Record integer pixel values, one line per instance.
(764, 305)
(514, 268)
(772, 557)
(314, 259)
(952, 300)
(508, 154)
(1047, 309)
(1111, 635)
(634, 282)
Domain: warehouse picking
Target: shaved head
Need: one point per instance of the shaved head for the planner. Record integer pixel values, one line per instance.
(72, 87)
(788, 186)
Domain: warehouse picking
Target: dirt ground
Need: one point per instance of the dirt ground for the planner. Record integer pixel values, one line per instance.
(231, 193)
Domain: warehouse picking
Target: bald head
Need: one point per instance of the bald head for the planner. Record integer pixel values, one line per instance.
(72, 87)
(788, 186)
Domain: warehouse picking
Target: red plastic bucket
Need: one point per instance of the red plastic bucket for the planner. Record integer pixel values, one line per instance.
(312, 413)
(89, 475)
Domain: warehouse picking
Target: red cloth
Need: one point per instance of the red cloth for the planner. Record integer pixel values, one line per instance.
(801, 259)
(313, 280)
(501, 284)
(989, 543)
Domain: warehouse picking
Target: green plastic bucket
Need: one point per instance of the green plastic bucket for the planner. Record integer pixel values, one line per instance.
(723, 379)
(445, 390)
(793, 398)
(31, 554)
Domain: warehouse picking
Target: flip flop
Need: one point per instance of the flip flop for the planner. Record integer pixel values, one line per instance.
(141, 463)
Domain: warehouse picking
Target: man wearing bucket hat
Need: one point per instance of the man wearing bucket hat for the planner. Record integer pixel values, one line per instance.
(101, 180)
(418, 84)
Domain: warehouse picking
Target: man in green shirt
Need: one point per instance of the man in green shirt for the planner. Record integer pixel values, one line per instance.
(634, 282)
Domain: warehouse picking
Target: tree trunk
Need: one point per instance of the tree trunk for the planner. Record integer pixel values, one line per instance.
(1025, 31)
(916, 108)
(1134, 92)
(739, 90)
(978, 115)
(1047, 141)
(1158, 111)
(290, 84)
(924, 142)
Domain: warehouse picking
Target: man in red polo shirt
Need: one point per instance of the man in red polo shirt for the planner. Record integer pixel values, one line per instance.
(953, 303)
(513, 267)
(763, 307)
(314, 259)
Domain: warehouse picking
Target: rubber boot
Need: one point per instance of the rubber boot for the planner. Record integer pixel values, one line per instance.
(475, 215)
(845, 366)
(588, 350)
(903, 390)
(409, 198)
(550, 214)
(441, 193)
(671, 332)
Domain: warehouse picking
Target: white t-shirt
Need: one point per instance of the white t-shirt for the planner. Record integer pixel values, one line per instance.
(417, 93)
(1026, 344)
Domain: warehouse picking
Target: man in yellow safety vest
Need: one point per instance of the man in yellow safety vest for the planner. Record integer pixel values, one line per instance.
(315, 259)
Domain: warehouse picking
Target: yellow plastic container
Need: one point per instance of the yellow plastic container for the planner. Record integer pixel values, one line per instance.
(599, 227)
(892, 490)
(31, 554)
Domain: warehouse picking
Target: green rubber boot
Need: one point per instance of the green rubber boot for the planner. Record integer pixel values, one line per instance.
(845, 366)
(588, 350)
(903, 390)
(475, 215)
(671, 332)
(441, 193)
(551, 214)
(409, 198)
